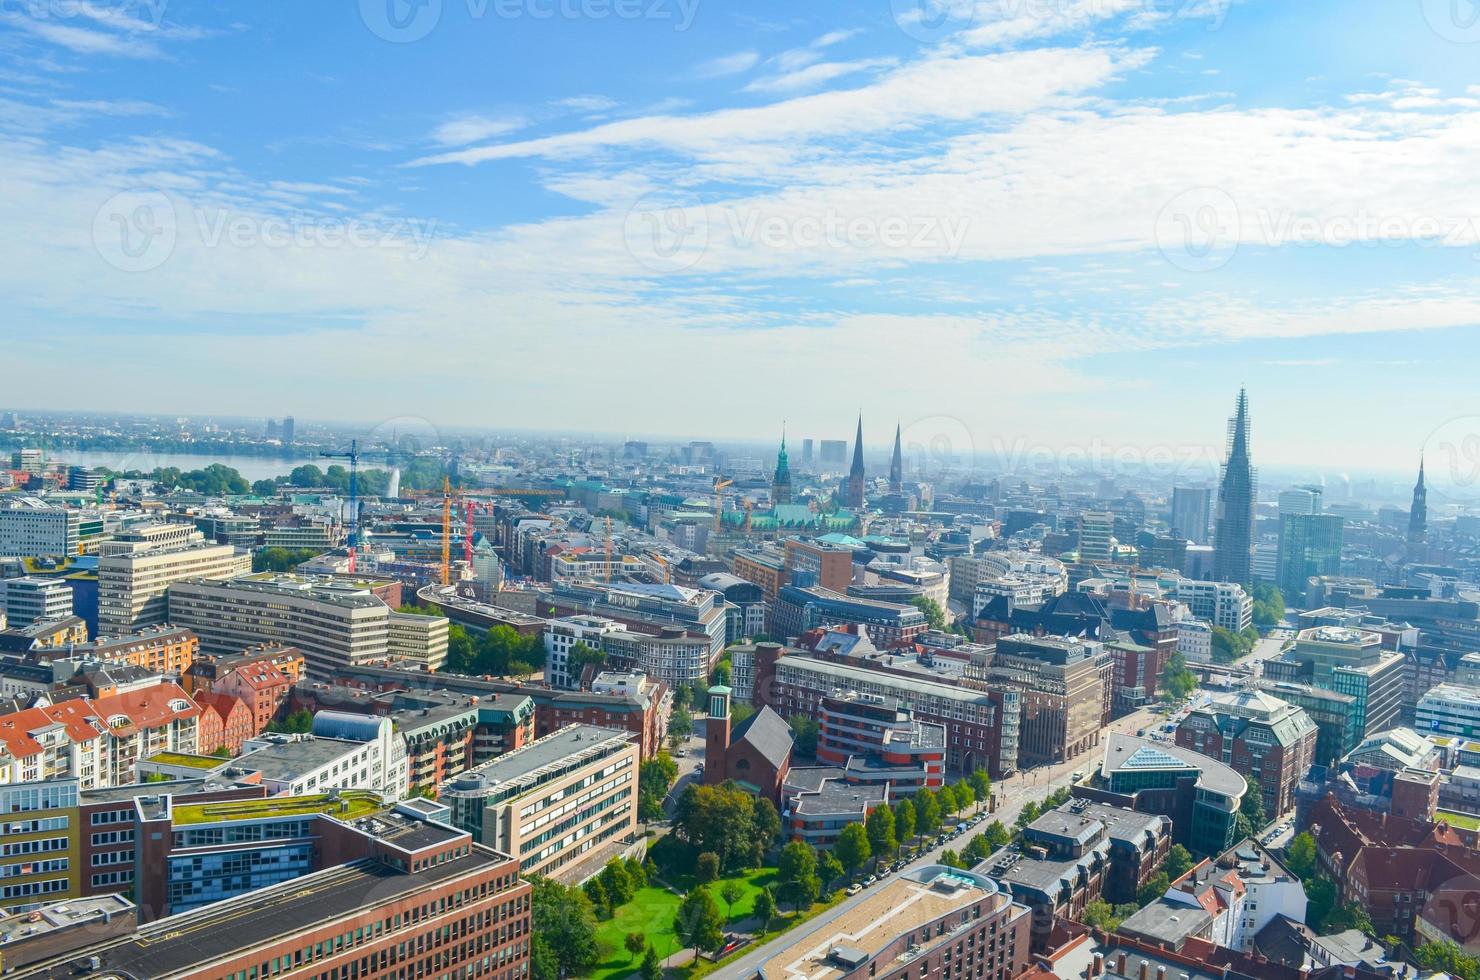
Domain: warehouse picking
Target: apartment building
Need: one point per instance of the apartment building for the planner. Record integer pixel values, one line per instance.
(32, 599)
(560, 804)
(136, 571)
(33, 528)
(335, 624)
(165, 650)
(98, 741)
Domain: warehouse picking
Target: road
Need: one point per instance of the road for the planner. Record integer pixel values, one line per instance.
(1267, 647)
(1013, 793)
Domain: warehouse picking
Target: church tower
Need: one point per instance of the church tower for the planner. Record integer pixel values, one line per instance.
(896, 465)
(781, 481)
(1418, 520)
(854, 496)
(717, 735)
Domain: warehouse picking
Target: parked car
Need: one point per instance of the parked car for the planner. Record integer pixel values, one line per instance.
(854, 889)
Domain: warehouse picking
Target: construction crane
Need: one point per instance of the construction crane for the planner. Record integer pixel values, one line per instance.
(749, 506)
(468, 536)
(446, 531)
(354, 489)
(608, 551)
(719, 499)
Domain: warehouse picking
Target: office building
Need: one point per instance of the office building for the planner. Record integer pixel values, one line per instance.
(833, 452)
(1450, 709)
(1191, 509)
(888, 623)
(1272, 741)
(1299, 501)
(345, 752)
(643, 608)
(32, 528)
(1223, 604)
(1346, 661)
(136, 571)
(928, 923)
(1233, 539)
(302, 537)
(1096, 536)
(1076, 854)
(1199, 794)
(1310, 546)
(28, 461)
(877, 740)
(32, 599)
(397, 893)
(287, 430)
(1337, 717)
(334, 624)
(1061, 691)
(417, 639)
(817, 563)
(563, 803)
(746, 609)
(39, 857)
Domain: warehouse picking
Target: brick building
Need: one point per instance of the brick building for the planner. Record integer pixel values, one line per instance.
(756, 754)
(1271, 741)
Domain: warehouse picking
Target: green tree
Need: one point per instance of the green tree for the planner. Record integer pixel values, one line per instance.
(1153, 889)
(1177, 862)
(852, 848)
(935, 617)
(904, 821)
(1447, 957)
(600, 900)
(981, 785)
(281, 559)
(1177, 682)
(765, 908)
(948, 802)
(1251, 818)
(1027, 815)
(997, 835)
(706, 868)
(1100, 914)
(721, 674)
(563, 917)
(767, 823)
(731, 892)
(680, 723)
(582, 656)
(965, 796)
(829, 870)
(804, 734)
(951, 859)
(264, 488)
(698, 922)
(927, 812)
(655, 778)
(1320, 900)
(880, 828)
(635, 942)
(1300, 856)
(723, 819)
(740, 712)
(543, 963)
(618, 882)
(1269, 605)
(797, 874)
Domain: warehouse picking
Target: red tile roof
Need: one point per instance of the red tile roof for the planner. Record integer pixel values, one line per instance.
(84, 719)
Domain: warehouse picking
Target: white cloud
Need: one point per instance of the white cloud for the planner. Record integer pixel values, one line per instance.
(466, 129)
(817, 74)
(730, 64)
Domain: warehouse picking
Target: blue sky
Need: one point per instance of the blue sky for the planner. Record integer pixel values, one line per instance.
(1039, 222)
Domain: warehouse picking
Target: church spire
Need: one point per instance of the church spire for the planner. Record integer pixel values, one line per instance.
(1418, 519)
(781, 481)
(896, 465)
(855, 473)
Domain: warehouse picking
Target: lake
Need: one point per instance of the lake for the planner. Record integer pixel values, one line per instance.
(251, 467)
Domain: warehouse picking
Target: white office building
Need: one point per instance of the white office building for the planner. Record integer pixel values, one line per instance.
(1224, 604)
(1449, 709)
(32, 599)
(32, 528)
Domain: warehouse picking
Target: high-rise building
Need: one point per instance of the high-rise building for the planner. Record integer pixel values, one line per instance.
(136, 571)
(834, 452)
(807, 453)
(1096, 536)
(781, 480)
(31, 599)
(1350, 662)
(27, 460)
(896, 465)
(1300, 500)
(1233, 541)
(1310, 544)
(856, 479)
(287, 430)
(32, 528)
(1418, 520)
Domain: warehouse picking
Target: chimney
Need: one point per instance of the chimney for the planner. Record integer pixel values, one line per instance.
(1145, 970)
(1161, 973)
(1098, 966)
(1120, 964)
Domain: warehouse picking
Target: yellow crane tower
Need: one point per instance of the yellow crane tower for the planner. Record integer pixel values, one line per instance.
(719, 499)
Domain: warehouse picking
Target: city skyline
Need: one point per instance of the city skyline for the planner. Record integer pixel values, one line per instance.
(965, 204)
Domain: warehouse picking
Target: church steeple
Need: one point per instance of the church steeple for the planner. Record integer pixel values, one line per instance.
(781, 481)
(896, 465)
(1418, 519)
(855, 473)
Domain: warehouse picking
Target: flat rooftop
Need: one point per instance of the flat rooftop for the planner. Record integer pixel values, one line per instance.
(286, 761)
(185, 944)
(347, 806)
(901, 905)
(203, 762)
(61, 915)
(550, 756)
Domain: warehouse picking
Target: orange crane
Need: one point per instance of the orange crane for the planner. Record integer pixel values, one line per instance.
(608, 550)
(719, 499)
(446, 531)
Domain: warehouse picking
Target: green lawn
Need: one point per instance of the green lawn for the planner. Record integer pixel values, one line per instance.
(651, 913)
(1462, 820)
